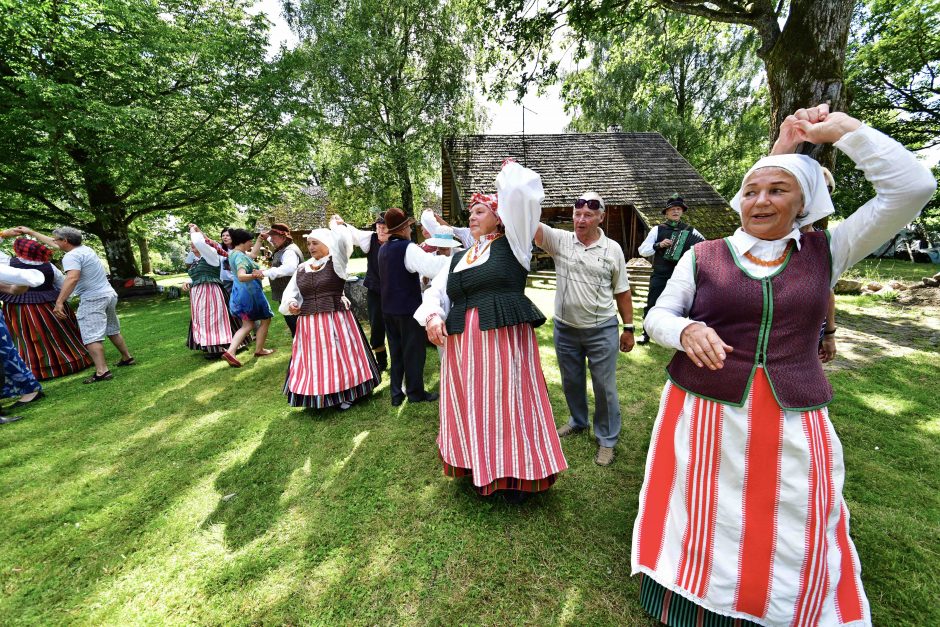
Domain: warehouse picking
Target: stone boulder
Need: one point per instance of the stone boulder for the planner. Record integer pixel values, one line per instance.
(848, 286)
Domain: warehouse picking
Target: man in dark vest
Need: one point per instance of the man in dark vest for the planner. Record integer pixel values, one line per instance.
(284, 261)
(666, 243)
(370, 242)
(401, 264)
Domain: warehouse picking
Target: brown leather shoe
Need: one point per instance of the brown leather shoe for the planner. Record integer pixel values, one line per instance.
(567, 430)
(605, 456)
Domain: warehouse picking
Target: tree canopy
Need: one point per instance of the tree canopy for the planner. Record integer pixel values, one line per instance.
(117, 109)
(386, 81)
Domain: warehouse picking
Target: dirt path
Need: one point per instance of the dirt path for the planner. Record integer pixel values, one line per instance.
(869, 332)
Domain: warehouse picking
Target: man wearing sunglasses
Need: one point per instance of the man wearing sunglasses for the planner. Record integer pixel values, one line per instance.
(592, 288)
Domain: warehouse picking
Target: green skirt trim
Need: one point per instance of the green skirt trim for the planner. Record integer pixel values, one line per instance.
(675, 610)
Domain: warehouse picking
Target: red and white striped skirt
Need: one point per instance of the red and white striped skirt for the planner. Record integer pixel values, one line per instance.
(329, 356)
(212, 325)
(496, 419)
(741, 511)
(50, 347)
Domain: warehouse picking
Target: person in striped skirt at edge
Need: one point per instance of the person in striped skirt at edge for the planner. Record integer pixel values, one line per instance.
(331, 364)
(496, 421)
(50, 346)
(211, 326)
(742, 519)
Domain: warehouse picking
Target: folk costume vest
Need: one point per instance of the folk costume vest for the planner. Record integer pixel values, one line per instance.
(279, 284)
(495, 288)
(400, 289)
(45, 293)
(372, 268)
(667, 230)
(322, 290)
(204, 272)
(771, 322)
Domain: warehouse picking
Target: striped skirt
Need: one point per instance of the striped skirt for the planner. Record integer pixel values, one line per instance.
(50, 347)
(331, 362)
(211, 326)
(741, 513)
(496, 419)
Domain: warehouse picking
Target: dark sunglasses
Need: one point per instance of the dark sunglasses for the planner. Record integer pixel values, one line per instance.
(592, 204)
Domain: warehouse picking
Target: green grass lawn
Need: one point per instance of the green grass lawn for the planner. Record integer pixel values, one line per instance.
(186, 492)
(886, 269)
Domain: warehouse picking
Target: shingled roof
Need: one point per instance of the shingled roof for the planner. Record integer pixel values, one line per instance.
(632, 169)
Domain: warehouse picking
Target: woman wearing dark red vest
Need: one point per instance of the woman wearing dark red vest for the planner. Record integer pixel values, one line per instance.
(50, 346)
(741, 512)
(496, 419)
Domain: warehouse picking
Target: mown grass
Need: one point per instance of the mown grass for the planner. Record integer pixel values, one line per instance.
(886, 269)
(187, 492)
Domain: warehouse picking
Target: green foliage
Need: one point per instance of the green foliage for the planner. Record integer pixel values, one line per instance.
(893, 67)
(387, 82)
(688, 78)
(114, 110)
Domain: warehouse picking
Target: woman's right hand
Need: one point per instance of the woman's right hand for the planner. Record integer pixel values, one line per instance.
(437, 331)
(293, 308)
(703, 346)
(185, 287)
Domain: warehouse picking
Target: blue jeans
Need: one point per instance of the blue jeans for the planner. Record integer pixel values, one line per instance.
(600, 346)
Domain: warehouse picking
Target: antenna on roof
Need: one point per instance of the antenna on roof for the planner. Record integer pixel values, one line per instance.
(525, 161)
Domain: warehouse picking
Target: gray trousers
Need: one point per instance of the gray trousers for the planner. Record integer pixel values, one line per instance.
(600, 346)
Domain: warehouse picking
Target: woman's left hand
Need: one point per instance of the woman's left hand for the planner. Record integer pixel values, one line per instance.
(703, 346)
(818, 126)
(293, 308)
(437, 331)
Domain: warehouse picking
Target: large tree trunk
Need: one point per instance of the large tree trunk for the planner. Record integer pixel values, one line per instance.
(144, 247)
(404, 183)
(113, 232)
(806, 63)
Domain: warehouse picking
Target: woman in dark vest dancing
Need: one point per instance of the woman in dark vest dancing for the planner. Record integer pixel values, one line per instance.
(496, 422)
(741, 517)
(331, 364)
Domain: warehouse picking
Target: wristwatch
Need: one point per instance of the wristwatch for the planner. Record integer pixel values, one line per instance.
(628, 327)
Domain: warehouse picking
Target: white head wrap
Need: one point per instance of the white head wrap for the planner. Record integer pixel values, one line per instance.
(429, 222)
(808, 174)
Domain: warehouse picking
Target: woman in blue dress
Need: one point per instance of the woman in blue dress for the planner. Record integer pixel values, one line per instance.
(247, 302)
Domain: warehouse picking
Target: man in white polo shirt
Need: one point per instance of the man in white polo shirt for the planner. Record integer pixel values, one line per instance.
(86, 278)
(592, 287)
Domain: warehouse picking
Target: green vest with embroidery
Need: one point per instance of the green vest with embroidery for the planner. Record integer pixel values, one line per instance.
(204, 272)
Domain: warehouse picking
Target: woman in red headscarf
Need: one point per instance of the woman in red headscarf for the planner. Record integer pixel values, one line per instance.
(496, 421)
(50, 346)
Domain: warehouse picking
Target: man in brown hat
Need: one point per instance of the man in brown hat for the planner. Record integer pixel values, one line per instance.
(284, 261)
(666, 243)
(402, 263)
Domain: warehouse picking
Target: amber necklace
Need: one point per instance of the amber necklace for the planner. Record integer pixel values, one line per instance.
(772, 262)
(474, 254)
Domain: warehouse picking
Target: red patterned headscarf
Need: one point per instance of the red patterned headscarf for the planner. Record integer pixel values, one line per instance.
(31, 250)
(487, 200)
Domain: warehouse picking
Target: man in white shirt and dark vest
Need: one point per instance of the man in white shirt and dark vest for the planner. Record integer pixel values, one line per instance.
(402, 263)
(591, 288)
(284, 261)
(666, 243)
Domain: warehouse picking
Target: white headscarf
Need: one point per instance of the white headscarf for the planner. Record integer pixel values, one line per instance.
(338, 240)
(808, 174)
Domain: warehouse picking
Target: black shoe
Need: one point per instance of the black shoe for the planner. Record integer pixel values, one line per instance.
(396, 401)
(428, 396)
(25, 403)
(644, 339)
(515, 497)
(4, 420)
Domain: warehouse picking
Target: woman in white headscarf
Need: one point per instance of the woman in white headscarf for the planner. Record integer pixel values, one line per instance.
(741, 512)
(331, 363)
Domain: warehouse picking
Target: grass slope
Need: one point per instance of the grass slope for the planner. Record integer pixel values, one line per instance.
(187, 492)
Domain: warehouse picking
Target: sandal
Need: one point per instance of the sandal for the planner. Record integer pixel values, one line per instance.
(130, 361)
(264, 353)
(95, 378)
(234, 363)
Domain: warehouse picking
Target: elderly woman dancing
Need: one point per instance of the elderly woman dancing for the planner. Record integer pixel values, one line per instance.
(742, 519)
(50, 346)
(496, 422)
(331, 363)
(211, 326)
